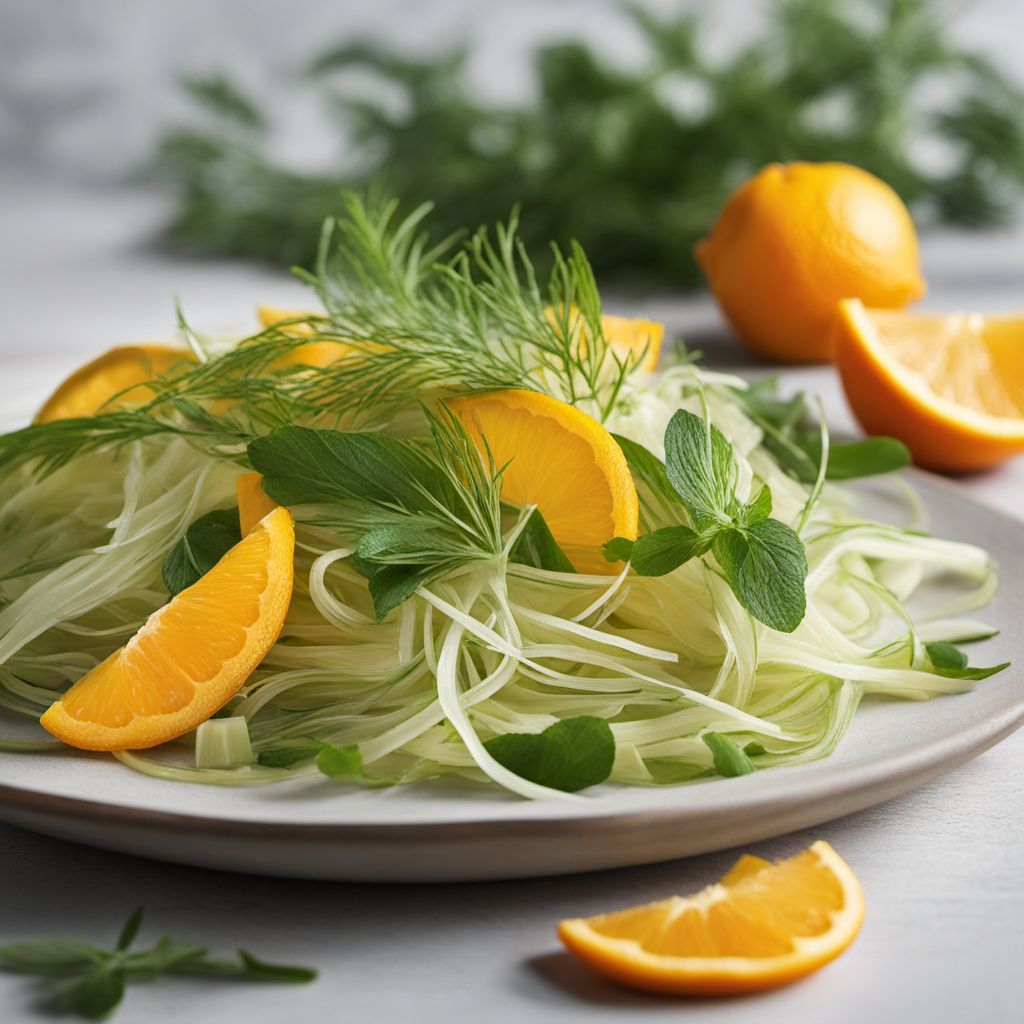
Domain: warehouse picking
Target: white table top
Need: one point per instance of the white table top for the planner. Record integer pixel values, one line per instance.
(941, 867)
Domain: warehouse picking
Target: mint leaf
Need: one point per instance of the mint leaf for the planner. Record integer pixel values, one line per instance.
(618, 549)
(204, 544)
(391, 585)
(766, 566)
(537, 547)
(649, 473)
(340, 762)
(261, 970)
(728, 759)
(944, 655)
(306, 466)
(951, 662)
(701, 466)
(849, 460)
(569, 755)
(662, 551)
(758, 509)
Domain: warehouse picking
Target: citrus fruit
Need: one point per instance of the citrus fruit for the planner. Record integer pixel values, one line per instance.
(950, 387)
(794, 240)
(120, 374)
(316, 353)
(561, 460)
(253, 502)
(762, 926)
(191, 655)
(625, 335)
(635, 335)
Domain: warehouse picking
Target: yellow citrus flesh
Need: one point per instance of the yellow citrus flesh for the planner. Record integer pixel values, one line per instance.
(191, 656)
(763, 926)
(561, 460)
(794, 240)
(951, 387)
(115, 379)
(634, 335)
(626, 336)
(253, 502)
(317, 353)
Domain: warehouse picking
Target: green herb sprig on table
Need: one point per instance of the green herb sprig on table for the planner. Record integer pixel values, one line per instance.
(90, 981)
(633, 161)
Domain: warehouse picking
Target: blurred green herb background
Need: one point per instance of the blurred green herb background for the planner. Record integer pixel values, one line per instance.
(634, 163)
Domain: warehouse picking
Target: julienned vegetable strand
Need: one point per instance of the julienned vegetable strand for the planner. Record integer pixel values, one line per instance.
(434, 630)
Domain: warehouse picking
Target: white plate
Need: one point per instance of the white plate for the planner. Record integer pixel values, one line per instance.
(458, 831)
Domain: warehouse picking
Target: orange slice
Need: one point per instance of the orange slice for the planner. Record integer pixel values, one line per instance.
(561, 460)
(762, 926)
(191, 656)
(316, 353)
(121, 373)
(253, 502)
(951, 387)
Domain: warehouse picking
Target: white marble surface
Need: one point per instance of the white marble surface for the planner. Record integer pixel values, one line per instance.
(942, 867)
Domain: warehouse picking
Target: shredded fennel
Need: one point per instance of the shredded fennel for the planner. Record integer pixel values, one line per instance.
(497, 647)
(488, 646)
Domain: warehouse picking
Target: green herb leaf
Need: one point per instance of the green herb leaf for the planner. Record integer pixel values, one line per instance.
(205, 543)
(618, 549)
(392, 585)
(766, 566)
(261, 970)
(700, 465)
(660, 552)
(305, 466)
(758, 509)
(729, 760)
(848, 460)
(569, 755)
(949, 661)
(340, 762)
(537, 547)
(49, 956)
(130, 929)
(92, 996)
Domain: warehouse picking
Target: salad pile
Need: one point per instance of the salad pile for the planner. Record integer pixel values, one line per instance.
(522, 554)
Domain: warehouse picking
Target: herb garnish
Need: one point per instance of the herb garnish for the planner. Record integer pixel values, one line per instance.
(762, 559)
(729, 759)
(570, 755)
(90, 981)
(204, 544)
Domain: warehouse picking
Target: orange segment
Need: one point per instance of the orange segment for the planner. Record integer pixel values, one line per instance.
(191, 656)
(316, 353)
(951, 387)
(253, 502)
(634, 335)
(627, 336)
(121, 372)
(561, 460)
(763, 926)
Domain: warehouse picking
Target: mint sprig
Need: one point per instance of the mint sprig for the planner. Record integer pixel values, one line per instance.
(204, 544)
(90, 981)
(762, 559)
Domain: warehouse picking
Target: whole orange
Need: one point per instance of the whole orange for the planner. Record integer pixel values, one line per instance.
(794, 240)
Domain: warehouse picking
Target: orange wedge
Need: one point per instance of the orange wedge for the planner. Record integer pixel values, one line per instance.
(951, 387)
(561, 460)
(120, 374)
(316, 353)
(191, 656)
(253, 502)
(764, 925)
